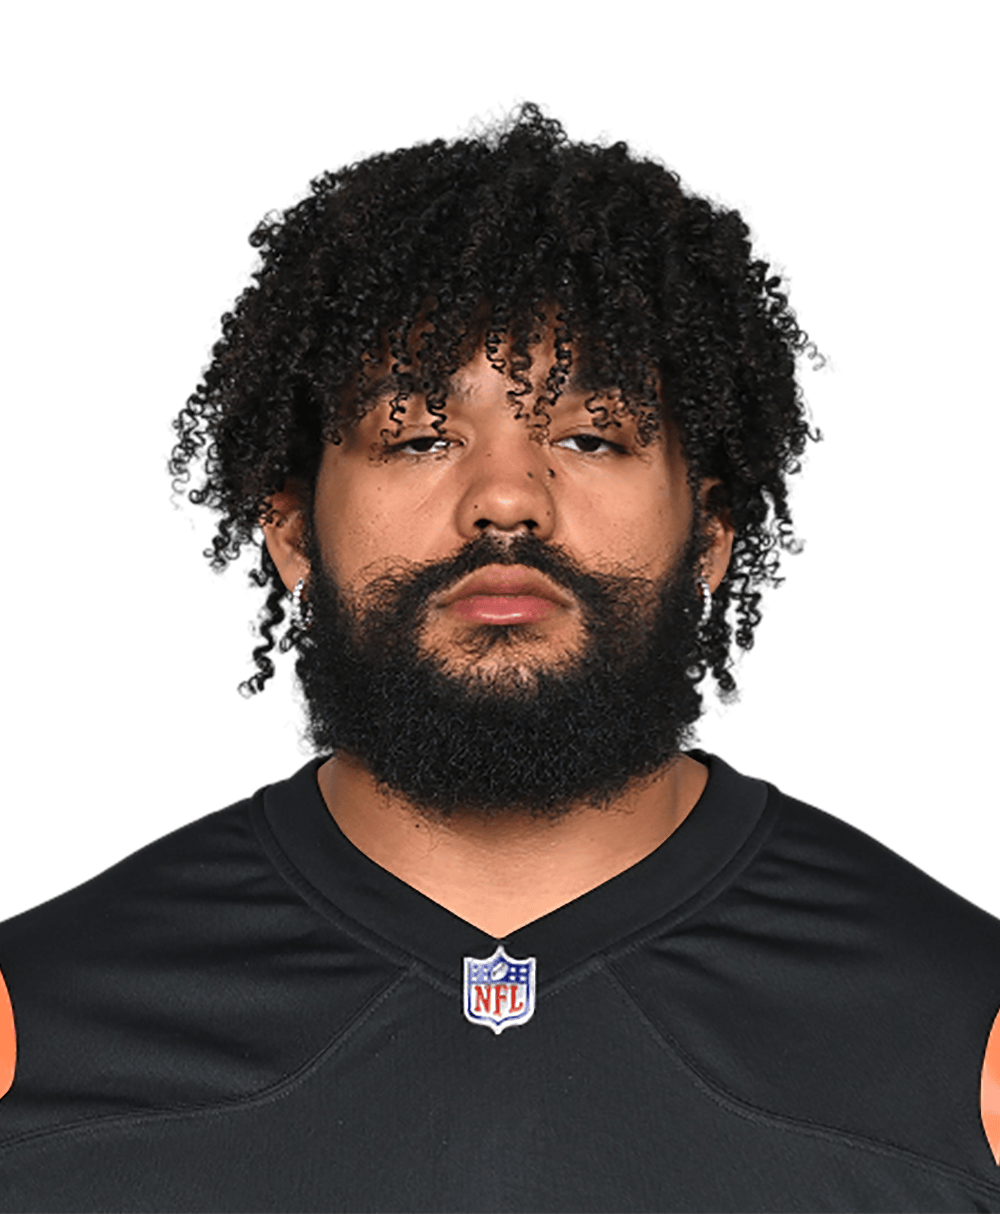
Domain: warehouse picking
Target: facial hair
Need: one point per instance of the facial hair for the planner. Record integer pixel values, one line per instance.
(521, 739)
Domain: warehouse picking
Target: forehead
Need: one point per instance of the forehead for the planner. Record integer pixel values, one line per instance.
(471, 381)
(538, 382)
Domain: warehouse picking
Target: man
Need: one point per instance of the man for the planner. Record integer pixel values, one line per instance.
(514, 417)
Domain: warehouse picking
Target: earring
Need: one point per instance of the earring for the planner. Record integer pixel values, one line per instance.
(706, 601)
(296, 594)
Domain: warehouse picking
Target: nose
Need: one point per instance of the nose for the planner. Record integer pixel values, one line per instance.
(508, 488)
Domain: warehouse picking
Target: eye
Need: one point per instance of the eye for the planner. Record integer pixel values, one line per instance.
(422, 444)
(589, 444)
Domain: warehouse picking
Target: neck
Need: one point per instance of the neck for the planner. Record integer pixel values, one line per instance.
(500, 874)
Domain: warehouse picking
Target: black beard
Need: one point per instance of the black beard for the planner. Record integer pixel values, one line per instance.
(523, 739)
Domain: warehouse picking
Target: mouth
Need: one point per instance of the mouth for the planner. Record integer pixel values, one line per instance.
(504, 594)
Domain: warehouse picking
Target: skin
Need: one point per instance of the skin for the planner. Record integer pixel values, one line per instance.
(618, 509)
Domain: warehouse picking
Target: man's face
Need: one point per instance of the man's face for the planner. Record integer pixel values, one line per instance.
(503, 616)
(389, 500)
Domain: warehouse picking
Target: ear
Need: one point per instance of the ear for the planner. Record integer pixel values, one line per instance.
(715, 561)
(284, 533)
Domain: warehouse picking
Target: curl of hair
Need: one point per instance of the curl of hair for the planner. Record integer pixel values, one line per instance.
(413, 255)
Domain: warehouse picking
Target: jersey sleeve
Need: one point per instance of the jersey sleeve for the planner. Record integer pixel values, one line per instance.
(8, 1039)
(989, 1091)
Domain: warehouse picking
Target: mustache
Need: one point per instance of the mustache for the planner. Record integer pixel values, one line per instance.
(409, 590)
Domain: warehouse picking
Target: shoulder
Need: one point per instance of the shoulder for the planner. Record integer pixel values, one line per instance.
(908, 969)
(178, 871)
(855, 907)
(141, 989)
(834, 985)
(855, 898)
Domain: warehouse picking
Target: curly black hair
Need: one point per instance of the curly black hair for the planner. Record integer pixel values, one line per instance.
(410, 254)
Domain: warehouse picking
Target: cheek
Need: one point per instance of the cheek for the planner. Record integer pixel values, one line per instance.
(642, 527)
(363, 525)
(668, 517)
(351, 522)
(345, 531)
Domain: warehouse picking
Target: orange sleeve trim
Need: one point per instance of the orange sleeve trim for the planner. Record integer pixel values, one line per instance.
(989, 1091)
(8, 1040)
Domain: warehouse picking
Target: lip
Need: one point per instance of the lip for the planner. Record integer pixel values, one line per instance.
(506, 581)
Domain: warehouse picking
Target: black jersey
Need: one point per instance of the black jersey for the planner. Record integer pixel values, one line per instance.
(769, 1012)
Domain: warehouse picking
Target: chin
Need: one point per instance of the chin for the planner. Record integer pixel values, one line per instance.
(505, 650)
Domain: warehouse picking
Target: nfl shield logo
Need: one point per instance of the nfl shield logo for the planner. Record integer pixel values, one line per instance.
(499, 991)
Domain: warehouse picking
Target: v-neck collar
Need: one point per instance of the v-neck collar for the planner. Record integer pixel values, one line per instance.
(712, 844)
